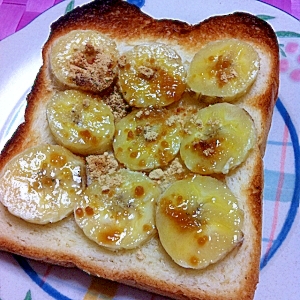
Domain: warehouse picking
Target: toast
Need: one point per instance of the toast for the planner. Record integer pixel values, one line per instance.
(149, 267)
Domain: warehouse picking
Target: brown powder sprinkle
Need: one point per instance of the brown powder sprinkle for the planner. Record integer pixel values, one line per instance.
(86, 103)
(139, 114)
(176, 118)
(145, 72)
(214, 123)
(92, 68)
(122, 61)
(209, 151)
(98, 165)
(174, 168)
(156, 174)
(110, 181)
(187, 131)
(76, 111)
(171, 120)
(164, 177)
(196, 121)
(103, 168)
(149, 133)
(213, 128)
(117, 104)
(224, 70)
(75, 114)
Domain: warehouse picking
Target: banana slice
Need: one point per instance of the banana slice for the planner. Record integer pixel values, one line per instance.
(198, 221)
(42, 184)
(151, 75)
(223, 70)
(80, 122)
(118, 212)
(217, 139)
(147, 138)
(84, 59)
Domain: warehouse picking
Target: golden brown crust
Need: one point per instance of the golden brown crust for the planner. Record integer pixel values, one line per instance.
(127, 24)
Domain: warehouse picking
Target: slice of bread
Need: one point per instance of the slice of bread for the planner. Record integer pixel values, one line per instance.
(149, 267)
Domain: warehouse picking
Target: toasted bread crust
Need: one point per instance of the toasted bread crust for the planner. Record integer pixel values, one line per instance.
(126, 24)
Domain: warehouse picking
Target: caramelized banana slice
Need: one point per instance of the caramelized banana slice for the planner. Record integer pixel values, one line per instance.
(80, 122)
(223, 70)
(217, 139)
(118, 212)
(42, 184)
(84, 59)
(151, 75)
(147, 138)
(198, 221)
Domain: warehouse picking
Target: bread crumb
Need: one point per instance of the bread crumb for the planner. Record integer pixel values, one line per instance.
(140, 255)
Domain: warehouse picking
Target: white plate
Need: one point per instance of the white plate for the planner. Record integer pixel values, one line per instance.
(20, 59)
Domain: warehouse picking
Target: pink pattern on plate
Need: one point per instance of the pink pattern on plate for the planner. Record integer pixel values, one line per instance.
(291, 47)
(284, 65)
(291, 65)
(295, 75)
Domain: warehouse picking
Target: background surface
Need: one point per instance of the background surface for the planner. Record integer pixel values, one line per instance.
(19, 62)
(16, 14)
